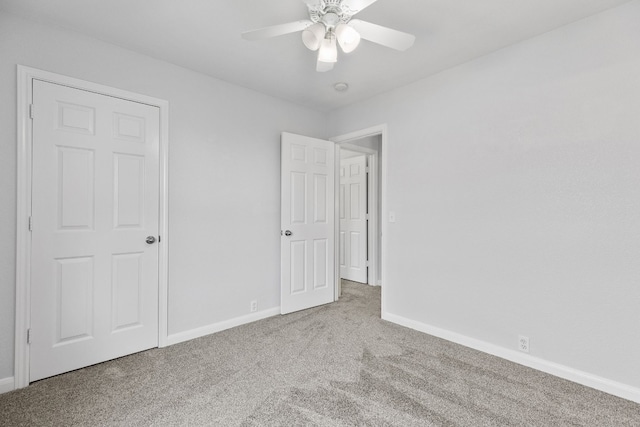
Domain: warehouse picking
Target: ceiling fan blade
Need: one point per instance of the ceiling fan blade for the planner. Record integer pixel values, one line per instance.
(356, 6)
(382, 35)
(323, 67)
(276, 30)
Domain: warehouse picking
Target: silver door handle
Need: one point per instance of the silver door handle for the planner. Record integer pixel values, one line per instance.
(288, 233)
(150, 240)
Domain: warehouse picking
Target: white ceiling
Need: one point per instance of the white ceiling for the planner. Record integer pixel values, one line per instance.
(204, 35)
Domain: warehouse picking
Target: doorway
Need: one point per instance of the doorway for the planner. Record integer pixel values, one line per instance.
(354, 216)
(310, 211)
(366, 152)
(372, 142)
(76, 200)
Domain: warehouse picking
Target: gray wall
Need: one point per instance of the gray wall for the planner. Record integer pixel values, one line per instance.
(515, 182)
(224, 174)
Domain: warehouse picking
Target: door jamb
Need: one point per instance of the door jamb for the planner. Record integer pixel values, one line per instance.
(381, 130)
(372, 206)
(26, 75)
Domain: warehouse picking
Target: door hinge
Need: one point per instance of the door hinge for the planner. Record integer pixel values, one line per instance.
(29, 336)
(31, 111)
(159, 238)
(367, 169)
(367, 216)
(30, 223)
(366, 263)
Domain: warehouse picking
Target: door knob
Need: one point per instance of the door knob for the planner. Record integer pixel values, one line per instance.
(150, 240)
(288, 233)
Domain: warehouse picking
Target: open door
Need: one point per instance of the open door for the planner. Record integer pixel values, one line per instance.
(353, 218)
(307, 222)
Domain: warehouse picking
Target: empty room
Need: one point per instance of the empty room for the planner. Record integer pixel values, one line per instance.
(320, 213)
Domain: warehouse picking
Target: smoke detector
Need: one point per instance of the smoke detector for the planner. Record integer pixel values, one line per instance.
(341, 87)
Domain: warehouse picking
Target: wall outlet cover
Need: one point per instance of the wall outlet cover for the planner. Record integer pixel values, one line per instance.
(523, 343)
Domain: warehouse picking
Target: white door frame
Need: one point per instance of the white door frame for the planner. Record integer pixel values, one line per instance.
(372, 206)
(26, 75)
(384, 141)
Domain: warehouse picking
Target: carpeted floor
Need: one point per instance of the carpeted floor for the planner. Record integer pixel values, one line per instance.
(336, 365)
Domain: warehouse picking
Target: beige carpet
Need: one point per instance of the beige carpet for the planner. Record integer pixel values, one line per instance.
(336, 365)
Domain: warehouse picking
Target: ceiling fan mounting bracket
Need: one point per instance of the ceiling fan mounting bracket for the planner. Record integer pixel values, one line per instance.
(330, 13)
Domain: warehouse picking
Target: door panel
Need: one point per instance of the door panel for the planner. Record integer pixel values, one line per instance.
(308, 210)
(126, 288)
(73, 299)
(353, 219)
(128, 198)
(94, 280)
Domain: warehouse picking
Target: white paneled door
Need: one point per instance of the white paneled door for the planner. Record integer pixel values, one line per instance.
(353, 219)
(94, 262)
(307, 222)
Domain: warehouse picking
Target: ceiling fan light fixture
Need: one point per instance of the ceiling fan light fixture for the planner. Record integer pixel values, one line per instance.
(323, 67)
(348, 37)
(312, 36)
(328, 49)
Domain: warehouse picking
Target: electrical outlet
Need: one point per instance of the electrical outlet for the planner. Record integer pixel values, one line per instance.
(523, 343)
(254, 306)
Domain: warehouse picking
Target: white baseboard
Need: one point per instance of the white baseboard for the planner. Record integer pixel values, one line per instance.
(599, 383)
(6, 385)
(221, 326)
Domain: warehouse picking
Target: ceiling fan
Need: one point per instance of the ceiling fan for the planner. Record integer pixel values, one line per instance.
(330, 23)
